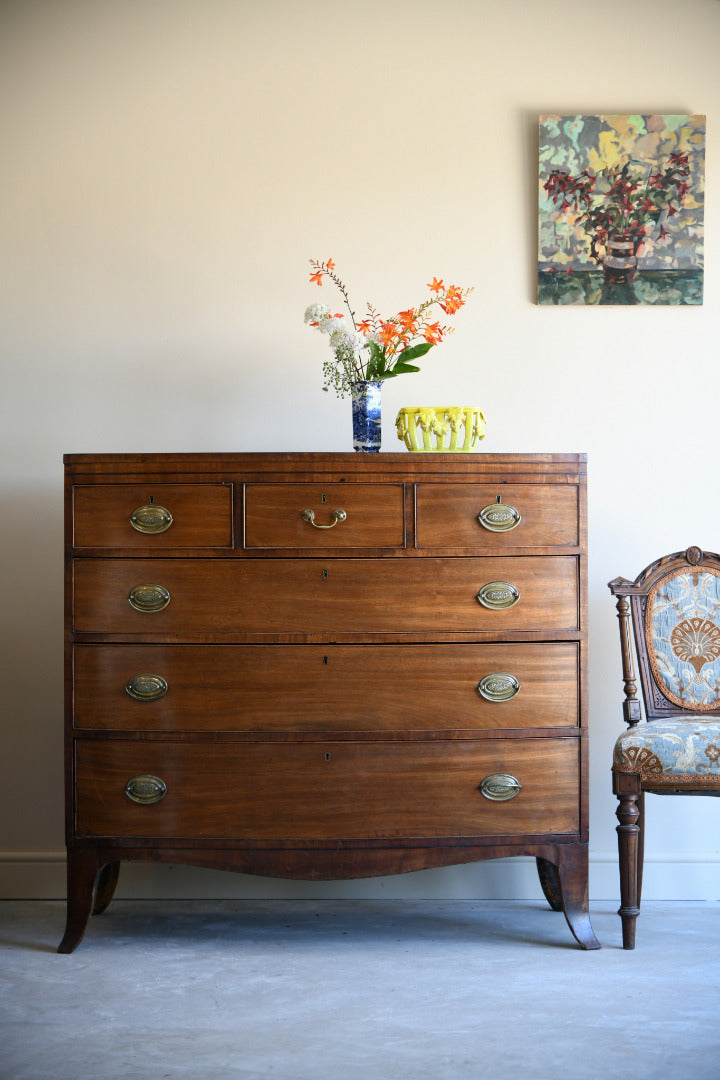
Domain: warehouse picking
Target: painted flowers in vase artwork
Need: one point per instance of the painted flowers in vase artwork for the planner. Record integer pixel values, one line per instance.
(366, 351)
(621, 209)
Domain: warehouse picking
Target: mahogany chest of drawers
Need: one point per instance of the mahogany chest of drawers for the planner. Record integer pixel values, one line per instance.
(325, 666)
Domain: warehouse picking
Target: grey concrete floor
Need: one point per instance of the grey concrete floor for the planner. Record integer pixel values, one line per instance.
(357, 990)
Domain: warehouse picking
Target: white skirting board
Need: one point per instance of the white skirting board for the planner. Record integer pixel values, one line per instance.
(41, 876)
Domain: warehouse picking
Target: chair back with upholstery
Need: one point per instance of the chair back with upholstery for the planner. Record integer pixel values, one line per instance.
(670, 620)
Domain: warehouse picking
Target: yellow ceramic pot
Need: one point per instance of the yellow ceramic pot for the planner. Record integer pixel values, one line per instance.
(440, 429)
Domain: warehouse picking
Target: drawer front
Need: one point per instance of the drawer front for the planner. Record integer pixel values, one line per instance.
(195, 515)
(313, 516)
(470, 516)
(325, 687)
(327, 790)
(309, 596)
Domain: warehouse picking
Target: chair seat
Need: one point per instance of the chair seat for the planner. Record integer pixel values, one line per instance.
(681, 752)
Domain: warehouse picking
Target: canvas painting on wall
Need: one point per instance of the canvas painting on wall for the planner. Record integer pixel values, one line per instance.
(621, 202)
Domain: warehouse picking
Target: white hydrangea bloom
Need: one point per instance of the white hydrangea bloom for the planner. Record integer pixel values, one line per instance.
(316, 312)
(344, 338)
(330, 325)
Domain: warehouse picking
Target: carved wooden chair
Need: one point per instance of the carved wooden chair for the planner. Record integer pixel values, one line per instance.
(674, 608)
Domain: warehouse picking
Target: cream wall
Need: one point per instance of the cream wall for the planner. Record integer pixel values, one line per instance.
(169, 166)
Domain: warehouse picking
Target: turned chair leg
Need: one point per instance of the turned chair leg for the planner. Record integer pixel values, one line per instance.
(630, 850)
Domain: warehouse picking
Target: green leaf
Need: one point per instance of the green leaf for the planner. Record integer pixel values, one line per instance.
(414, 351)
(400, 369)
(378, 361)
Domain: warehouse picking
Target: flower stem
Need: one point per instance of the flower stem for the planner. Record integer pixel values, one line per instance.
(333, 277)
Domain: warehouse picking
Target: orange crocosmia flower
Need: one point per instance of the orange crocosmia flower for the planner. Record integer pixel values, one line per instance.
(453, 301)
(330, 264)
(433, 333)
(407, 318)
(435, 286)
(364, 326)
(316, 278)
(388, 332)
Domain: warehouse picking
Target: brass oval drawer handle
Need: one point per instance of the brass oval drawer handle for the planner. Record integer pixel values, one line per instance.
(338, 516)
(149, 598)
(151, 518)
(146, 687)
(500, 786)
(498, 595)
(499, 516)
(145, 789)
(498, 686)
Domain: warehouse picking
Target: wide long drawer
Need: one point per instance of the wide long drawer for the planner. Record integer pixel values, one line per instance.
(312, 596)
(157, 688)
(326, 790)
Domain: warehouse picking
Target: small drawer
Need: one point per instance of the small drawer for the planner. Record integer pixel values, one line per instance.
(500, 517)
(327, 790)
(338, 596)
(330, 516)
(263, 688)
(162, 516)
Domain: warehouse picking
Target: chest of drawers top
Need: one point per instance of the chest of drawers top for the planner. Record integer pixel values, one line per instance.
(294, 504)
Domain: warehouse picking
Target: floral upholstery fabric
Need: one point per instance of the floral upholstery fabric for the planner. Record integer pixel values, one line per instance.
(672, 752)
(682, 623)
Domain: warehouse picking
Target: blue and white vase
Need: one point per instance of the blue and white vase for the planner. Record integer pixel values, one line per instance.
(366, 418)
